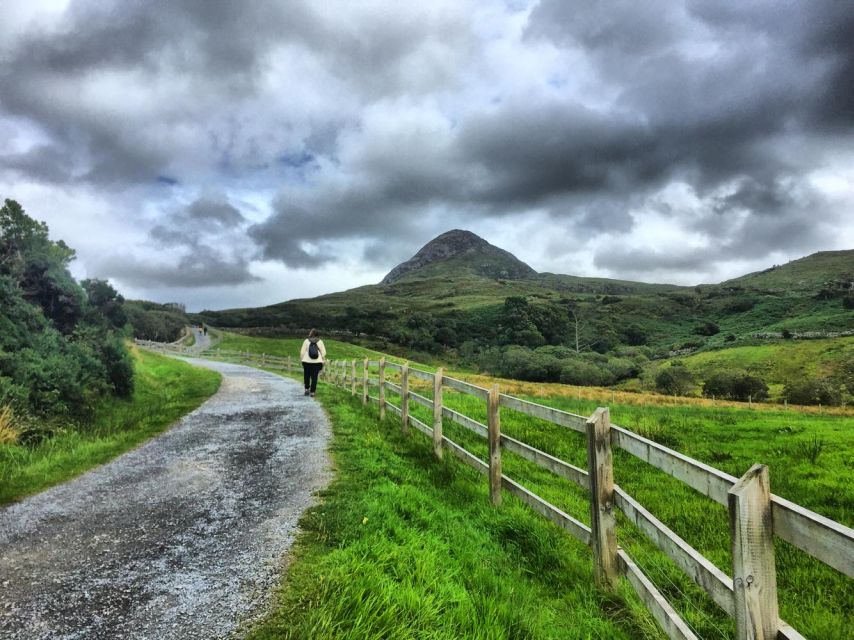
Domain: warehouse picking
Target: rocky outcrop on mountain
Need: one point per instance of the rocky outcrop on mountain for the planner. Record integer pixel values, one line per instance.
(463, 250)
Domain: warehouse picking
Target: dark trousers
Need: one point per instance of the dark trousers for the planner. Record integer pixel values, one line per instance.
(310, 371)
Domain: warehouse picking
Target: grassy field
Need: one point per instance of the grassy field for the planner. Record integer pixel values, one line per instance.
(402, 547)
(165, 390)
(335, 349)
(810, 457)
(778, 362)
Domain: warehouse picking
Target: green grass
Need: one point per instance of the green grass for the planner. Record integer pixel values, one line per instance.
(779, 362)
(335, 349)
(405, 547)
(165, 390)
(810, 456)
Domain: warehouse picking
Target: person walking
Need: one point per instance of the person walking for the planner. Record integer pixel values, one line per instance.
(312, 355)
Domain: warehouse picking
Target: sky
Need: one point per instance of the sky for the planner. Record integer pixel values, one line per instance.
(230, 154)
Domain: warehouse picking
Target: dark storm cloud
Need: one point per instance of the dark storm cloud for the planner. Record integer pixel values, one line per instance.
(383, 124)
(215, 50)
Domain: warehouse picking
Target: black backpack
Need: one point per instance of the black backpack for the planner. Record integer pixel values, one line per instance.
(313, 351)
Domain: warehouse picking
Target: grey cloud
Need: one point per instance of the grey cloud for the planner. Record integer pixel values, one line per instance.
(219, 212)
(696, 93)
(202, 268)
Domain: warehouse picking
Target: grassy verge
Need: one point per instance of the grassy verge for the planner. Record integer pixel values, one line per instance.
(405, 547)
(809, 455)
(165, 390)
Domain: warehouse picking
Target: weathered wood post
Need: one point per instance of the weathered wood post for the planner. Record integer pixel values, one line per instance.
(404, 398)
(263, 359)
(382, 388)
(365, 382)
(754, 576)
(603, 524)
(494, 425)
(353, 379)
(437, 413)
(290, 366)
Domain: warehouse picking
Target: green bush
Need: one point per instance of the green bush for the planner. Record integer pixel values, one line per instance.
(579, 372)
(735, 385)
(674, 380)
(61, 344)
(815, 391)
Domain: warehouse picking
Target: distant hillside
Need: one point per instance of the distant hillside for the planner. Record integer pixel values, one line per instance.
(834, 269)
(460, 251)
(460, 296)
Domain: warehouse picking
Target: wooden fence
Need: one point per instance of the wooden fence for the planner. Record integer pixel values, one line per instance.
(756, 515)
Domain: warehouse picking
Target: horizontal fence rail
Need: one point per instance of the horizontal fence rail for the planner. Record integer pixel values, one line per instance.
(752, 509)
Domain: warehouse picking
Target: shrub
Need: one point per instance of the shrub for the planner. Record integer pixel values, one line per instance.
(8, 426)
(815, 391)
(579, 372)
(674, 380)
(708, 328)
(735, 385)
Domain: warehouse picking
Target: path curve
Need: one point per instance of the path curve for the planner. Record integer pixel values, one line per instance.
(182, 537)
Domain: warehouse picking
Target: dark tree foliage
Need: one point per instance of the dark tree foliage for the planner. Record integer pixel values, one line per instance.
(674, 380)
(707, 328)
(61, 345)
(815, 391)
(152, 321)
(735, 385)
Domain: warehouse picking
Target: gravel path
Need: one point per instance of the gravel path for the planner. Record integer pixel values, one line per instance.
(180, 538)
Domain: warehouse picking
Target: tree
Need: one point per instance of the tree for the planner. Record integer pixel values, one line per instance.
(814, 391)
(735, 385)
(674, 380)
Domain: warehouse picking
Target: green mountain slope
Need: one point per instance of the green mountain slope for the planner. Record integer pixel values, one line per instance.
(833, 270)
(461, 296)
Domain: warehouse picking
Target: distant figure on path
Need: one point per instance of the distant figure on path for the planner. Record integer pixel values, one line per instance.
(312, 355)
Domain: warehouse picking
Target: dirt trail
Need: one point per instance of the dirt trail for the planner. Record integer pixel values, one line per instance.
(180, 538)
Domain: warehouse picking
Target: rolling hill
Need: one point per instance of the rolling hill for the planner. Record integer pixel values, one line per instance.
(461, 282)
(460, 298)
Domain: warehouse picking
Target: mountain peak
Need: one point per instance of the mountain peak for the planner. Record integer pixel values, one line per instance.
(469, 252)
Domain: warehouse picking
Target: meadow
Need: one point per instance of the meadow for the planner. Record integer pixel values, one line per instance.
(165, 390)
(809, 455)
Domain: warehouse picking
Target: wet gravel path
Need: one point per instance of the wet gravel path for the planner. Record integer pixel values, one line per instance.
(180, 538)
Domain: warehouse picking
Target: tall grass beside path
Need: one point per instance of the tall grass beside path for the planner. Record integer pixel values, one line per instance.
(165, 390)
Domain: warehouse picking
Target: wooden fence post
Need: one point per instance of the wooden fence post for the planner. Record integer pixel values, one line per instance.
(382, 388)
(365, 383)
(753, 573)
(263, 359)
(353, 379)
(603, 524)
(494, 425)
(437, 413)
(290, 367)
(404, 398)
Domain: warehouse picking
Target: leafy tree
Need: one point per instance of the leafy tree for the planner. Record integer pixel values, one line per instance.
(735, 385)
(707, 328)
(812, 391)
(674, 380)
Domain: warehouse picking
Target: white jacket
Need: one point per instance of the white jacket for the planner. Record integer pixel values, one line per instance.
(303, 353)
